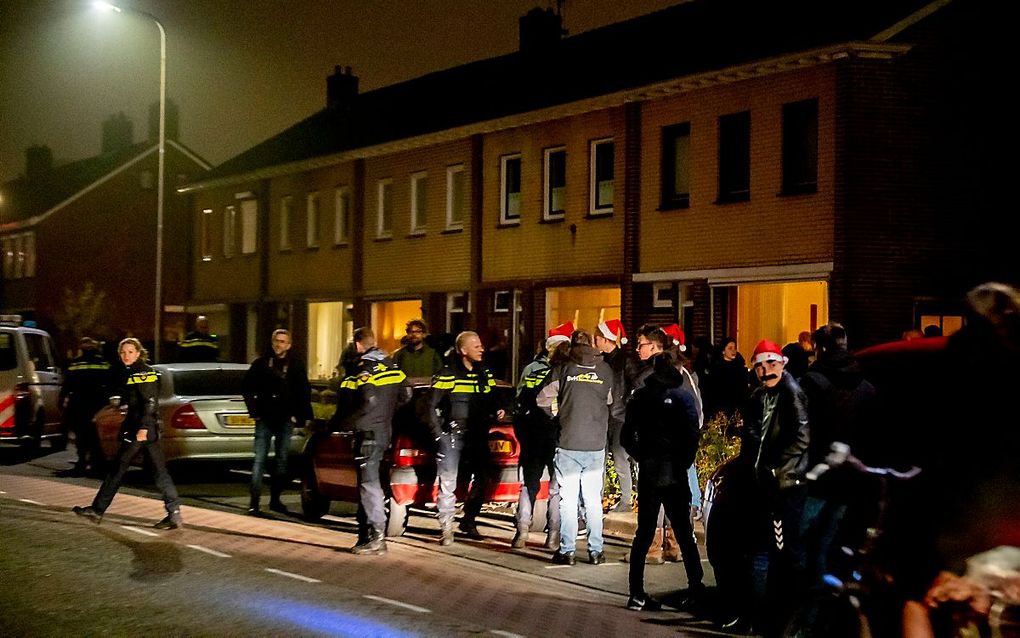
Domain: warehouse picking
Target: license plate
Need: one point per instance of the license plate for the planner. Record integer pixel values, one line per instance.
(499, 447)
(239, 421)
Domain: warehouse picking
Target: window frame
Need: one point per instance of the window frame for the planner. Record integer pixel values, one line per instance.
(453, 173)
(249, 226)
(313, 217)
(670, 196)
(548, 214)
(798, 135)
(205, 234)
(384, 208)
(229, 231)
(286, 208)
(734, 170)
(419, 190)
(594, 208)
(341, 215)
(506, 218)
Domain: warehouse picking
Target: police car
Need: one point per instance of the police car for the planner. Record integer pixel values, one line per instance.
(30, 381)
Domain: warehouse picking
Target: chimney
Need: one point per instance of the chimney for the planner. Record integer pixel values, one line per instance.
(540, 29)
(173, 126)
(341, 87)
(38, 162)
(118, 133)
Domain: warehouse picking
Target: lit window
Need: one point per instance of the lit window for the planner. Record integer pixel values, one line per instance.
(229, 229)
(418, 203)
(341, 202)
(455, 191)
(312, 219)
(510, 189)
(384, 209)
(603, 170)
(555, 183)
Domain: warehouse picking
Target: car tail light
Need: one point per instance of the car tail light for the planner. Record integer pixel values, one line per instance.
(406, 454)
(185, 418)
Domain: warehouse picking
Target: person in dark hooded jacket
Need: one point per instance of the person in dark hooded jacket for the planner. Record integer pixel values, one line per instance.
(841, 405)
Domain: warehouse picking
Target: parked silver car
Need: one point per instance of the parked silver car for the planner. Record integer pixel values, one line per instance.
(203, 415)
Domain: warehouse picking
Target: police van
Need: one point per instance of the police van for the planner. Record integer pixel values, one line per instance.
(30, 381)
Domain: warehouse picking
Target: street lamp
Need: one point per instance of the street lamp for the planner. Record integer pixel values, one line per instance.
(157, 336)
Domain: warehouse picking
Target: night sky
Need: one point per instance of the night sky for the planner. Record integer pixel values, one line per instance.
(239, 70)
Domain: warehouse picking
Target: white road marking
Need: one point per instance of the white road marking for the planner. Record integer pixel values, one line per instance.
(505, 633)
(420, 610)
(209, 551)
(290, 575)
(557, 566)
(28, 500)
(138, 530)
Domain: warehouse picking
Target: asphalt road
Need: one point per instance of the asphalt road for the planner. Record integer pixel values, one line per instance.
(228, 574)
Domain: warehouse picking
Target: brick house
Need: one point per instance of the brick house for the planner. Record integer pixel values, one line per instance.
(741, 168)
(91, 223)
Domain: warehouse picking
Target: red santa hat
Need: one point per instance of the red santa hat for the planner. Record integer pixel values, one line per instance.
(559, 334)
(676, 333)
(613, 330)
(767, 351)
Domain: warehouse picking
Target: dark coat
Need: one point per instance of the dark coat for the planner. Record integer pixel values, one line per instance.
(661, 430)
(276, 389)
(625, 367)
(462, 401)
(369, 398)
(782, 460)
(841, 403)
(139, 391)
(725, 388)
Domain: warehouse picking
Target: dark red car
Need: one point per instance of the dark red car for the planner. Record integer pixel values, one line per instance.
(410, 465)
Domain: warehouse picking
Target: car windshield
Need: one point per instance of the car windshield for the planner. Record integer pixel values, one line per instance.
(208, 382)
(8, 354)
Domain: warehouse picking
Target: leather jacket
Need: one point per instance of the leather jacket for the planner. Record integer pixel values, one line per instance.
(778, 452)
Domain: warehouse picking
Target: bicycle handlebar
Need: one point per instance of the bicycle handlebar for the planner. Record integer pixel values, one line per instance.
(839, 456)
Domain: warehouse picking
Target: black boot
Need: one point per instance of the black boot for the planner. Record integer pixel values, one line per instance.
(275, 503)
(374, 546)
(253, 505)
(171, 521)
(520, 540)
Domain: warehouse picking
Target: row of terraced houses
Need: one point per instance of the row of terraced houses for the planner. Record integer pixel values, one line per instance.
(752, 169)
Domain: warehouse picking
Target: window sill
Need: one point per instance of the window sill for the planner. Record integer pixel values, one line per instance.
(798, 190)
(553, 220)
(674, 205)
(598, 214)
(509, 223)
(342, 244)
(382, 238)
(737, 198)
(452, 230)
(415, 234)
(312, 249)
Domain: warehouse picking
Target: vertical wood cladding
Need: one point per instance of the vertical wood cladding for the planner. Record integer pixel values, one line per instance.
(577, 245)
(768, 229)
(437, 259)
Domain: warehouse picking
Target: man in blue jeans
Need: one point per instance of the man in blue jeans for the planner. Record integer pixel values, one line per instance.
(581, 389)
(278, 395)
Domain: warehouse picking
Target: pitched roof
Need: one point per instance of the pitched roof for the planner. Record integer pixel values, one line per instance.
(24, 198)
(686, 39)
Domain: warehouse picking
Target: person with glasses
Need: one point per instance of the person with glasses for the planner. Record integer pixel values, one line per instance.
(416, 358)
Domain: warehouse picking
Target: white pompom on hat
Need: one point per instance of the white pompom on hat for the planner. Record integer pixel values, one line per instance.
(613, 329)
(676, 333)
(767, 351)
(559, 334)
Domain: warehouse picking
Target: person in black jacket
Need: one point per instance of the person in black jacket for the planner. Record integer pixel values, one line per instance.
(775, 443)
(369, 398)
(139, 431)
(662, 432)
(278, 396)
(462, 407)
(85, 391)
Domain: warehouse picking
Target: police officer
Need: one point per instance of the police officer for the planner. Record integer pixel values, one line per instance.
(85, 391)
(139, 431)
(368, 399)
(462, 406)
(199, 345)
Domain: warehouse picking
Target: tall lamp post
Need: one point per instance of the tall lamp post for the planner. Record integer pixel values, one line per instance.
(157, 336)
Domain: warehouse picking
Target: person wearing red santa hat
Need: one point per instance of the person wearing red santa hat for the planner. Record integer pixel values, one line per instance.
(608, 338)
(775, 440)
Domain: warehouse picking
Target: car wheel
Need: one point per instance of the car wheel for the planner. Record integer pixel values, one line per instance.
(539, 515)
(313, 504)
(396, 518)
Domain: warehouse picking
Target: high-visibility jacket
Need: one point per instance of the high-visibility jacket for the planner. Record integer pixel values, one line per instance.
(369, 398)
(198, 347)
(462, 400)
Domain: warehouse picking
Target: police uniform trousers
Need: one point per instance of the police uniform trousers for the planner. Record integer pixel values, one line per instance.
(463, 458)
(369, 448)
(113, 480)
